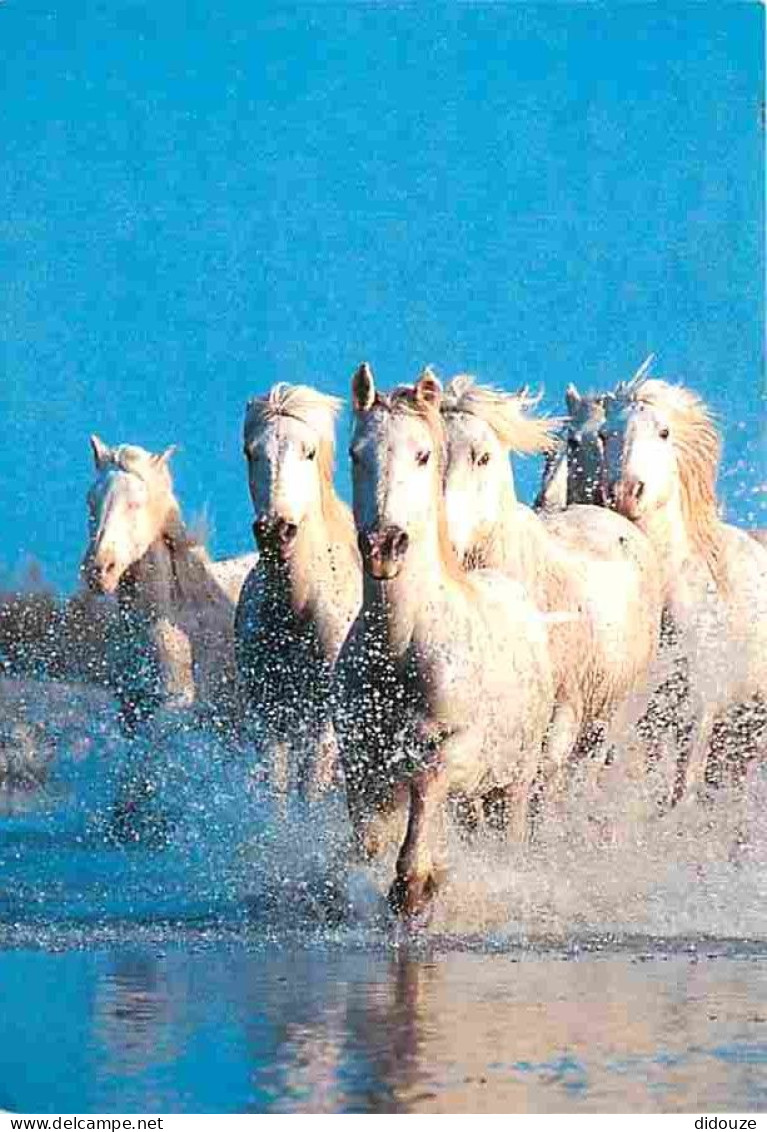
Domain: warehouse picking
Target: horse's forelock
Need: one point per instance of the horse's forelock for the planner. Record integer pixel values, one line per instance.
(318, 411)
(154, 472)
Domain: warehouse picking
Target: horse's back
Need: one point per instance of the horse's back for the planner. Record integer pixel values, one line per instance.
(599, 530)
(617, 561)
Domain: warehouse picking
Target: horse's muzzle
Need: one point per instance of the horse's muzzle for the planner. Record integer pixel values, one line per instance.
(100, 575)
(275, 535)
(626, 497)
(383, 551)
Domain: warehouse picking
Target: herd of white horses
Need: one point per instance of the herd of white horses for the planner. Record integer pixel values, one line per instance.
(442, 641)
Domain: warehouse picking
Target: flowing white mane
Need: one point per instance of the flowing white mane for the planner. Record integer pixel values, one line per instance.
(697, 446)
(505, 413)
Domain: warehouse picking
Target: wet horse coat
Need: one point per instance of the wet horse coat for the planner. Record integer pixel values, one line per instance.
(298, 602)
(171, 645)
(661, 455)
(444, 684)
(589, 569)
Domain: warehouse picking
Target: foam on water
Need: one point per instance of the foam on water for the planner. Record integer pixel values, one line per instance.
(202, 848)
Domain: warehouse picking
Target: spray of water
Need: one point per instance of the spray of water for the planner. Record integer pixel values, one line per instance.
(176, 832)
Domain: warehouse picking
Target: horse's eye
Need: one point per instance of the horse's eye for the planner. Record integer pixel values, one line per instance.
(484, 460)
(664, 434)
(422, 458)
(311, 453)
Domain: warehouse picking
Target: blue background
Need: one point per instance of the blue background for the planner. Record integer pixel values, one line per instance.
(197, 200)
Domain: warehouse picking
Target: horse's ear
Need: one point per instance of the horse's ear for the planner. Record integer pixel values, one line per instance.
(608, 401)
(644, 369)
(164, 457)
(428, 389)
(458, 385)
(102, 453)
(363, 389)
(572, 399)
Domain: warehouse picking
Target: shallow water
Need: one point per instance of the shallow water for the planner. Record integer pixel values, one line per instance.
(228, 958)
(237, 1027)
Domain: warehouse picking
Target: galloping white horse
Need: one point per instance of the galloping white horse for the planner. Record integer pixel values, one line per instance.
(661, 455)
(572, 472)
(173, 644)
(587, 564)
(571, 469)
(299, 601)
(444, 684)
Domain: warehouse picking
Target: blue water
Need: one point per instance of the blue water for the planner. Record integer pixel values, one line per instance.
(236, 1028)
(198, 200)
(229, 957)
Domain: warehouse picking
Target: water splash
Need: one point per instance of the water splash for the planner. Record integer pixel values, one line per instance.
(181, 836)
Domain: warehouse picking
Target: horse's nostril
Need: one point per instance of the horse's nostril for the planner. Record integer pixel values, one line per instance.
(400, 543)
(638, 490)
(288, 531)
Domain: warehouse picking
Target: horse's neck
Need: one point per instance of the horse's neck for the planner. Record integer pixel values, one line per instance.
(526, 550)
(150, 587)
(685, 575)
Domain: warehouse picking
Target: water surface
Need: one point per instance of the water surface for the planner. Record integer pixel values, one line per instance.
(227, 958)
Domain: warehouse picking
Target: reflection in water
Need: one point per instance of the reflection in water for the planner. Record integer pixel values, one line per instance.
(137, 1018)
(224, 1029)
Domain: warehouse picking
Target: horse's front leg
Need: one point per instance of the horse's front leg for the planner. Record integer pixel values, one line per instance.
(559, 746)
(318, 771)
(278, 763)
(694, 746)
(176, 665)
(420, 862)
(377, 823)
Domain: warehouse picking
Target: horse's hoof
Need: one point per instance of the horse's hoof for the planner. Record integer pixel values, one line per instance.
(411, 898)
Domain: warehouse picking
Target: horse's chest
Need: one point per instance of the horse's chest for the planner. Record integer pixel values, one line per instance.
(387, 693)
(285, 662)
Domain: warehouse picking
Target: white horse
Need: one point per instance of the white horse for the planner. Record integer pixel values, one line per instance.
(572, 471)
(299, 601)
(173, 642)
(444, 680)
(661, 455)
(590, 569)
